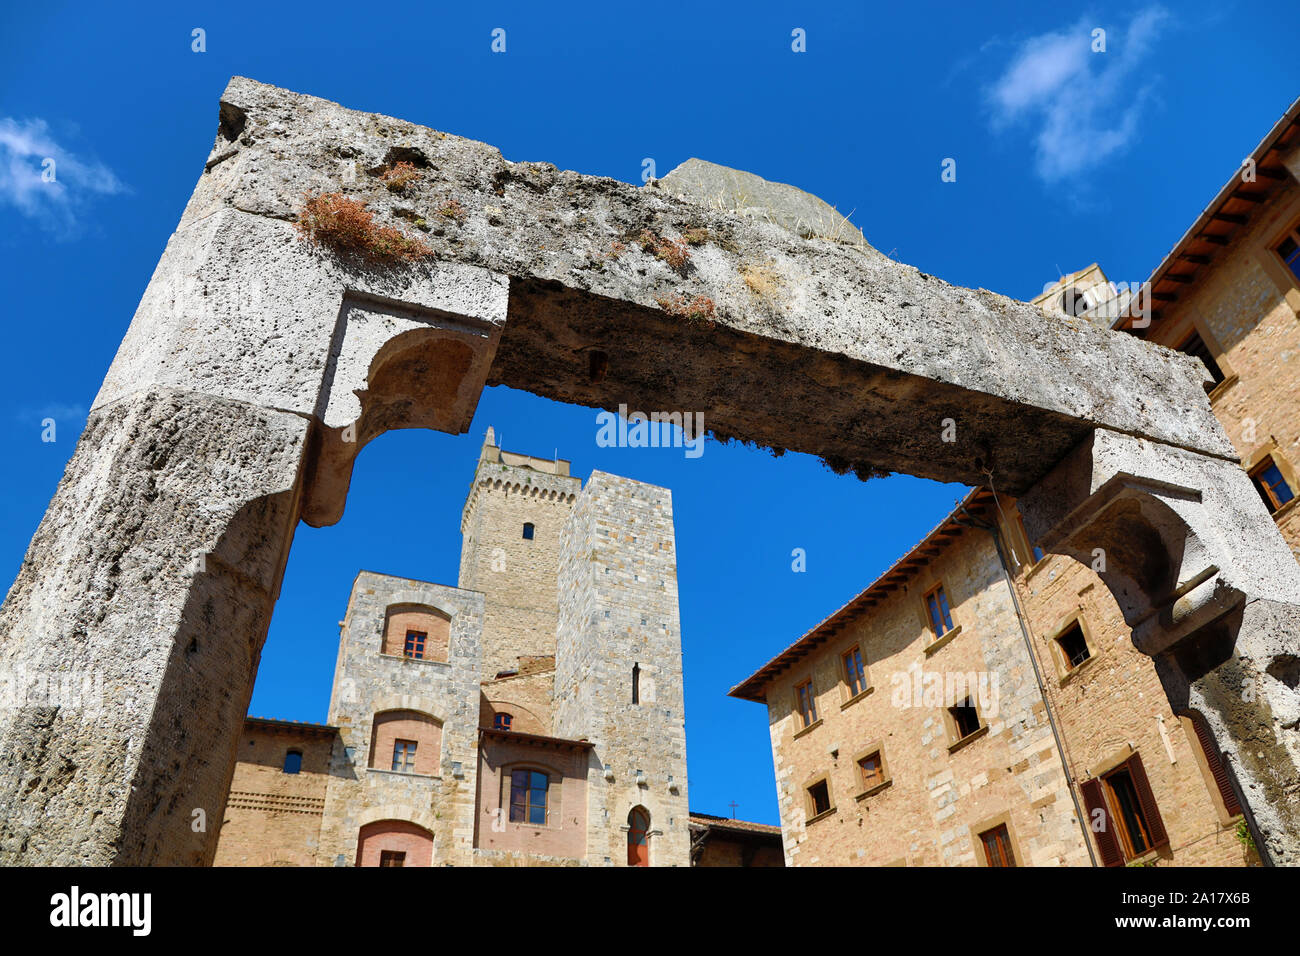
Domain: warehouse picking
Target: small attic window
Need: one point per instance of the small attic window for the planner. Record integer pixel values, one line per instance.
(1074, 302)
(528, 531)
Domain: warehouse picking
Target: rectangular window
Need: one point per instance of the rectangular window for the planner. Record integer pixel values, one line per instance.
(873, 770)
(528, 796)
(404, 756)
(1125, 807)
(1195, 345)
(415, 644)
(819, 798)
(1289, 251)
(855, 675)
(936, 606)
(1270, 484)
(392, 858)
(965, 718)
(1074, 646)
(807, 705)
(1125, 819)
(997, 846)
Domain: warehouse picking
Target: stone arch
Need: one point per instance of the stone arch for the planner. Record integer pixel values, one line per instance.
(413, 841)
(524, 720)
(389, 728)
(247, 420)
(433, 623)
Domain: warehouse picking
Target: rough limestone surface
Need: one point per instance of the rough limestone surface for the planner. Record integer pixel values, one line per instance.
(816, 345)
(223, 418)
(152, 577)
(734, 190)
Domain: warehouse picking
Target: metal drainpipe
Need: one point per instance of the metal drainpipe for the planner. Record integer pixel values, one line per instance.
(1038, 677)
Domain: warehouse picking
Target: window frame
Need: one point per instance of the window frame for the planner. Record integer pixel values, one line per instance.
(944, 606)
(851, 694)
(1002, 834)
(822, 780)
(413, 644)
(1291, 232)
(528, 805)
(1114, 841)
(1266, 462)
(1066, 671)
(400, 745)
(958, 740)
(883, 780)
(804, 715)
(502, 721)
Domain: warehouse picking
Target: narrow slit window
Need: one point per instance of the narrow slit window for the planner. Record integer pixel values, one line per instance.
(636, 683)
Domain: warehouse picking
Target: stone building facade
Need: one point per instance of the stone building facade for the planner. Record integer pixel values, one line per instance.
(532, 715)
(1085, 761)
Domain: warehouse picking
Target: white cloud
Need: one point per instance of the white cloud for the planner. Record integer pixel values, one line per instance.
(57, 205)
(1085, 105)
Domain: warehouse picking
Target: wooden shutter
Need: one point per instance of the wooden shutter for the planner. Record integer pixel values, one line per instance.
(1107, 843)
(1155, 826)
(1214, 760)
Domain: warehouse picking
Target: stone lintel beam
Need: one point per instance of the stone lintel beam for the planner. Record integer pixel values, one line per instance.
(815, 345)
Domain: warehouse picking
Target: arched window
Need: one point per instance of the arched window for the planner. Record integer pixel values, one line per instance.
(416, 632)
(528, 531)
(394, 843)
(636, 683)
(293, 761)
(405, 741)
(502, 721)
(528, 796)
(638, 837)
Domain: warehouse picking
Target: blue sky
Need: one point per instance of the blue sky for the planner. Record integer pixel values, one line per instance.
(1063, 156)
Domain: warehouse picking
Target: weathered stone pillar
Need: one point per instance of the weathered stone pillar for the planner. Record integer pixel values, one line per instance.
(252, 373)
(1211, 592)
(143, 603)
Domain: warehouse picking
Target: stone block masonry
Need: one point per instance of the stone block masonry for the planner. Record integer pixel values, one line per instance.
(618, 676)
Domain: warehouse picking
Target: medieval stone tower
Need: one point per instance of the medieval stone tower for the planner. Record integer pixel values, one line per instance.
(533, 715)
(510, 547)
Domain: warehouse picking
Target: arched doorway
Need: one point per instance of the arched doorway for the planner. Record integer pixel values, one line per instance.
(638, 837)
(394, 843)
